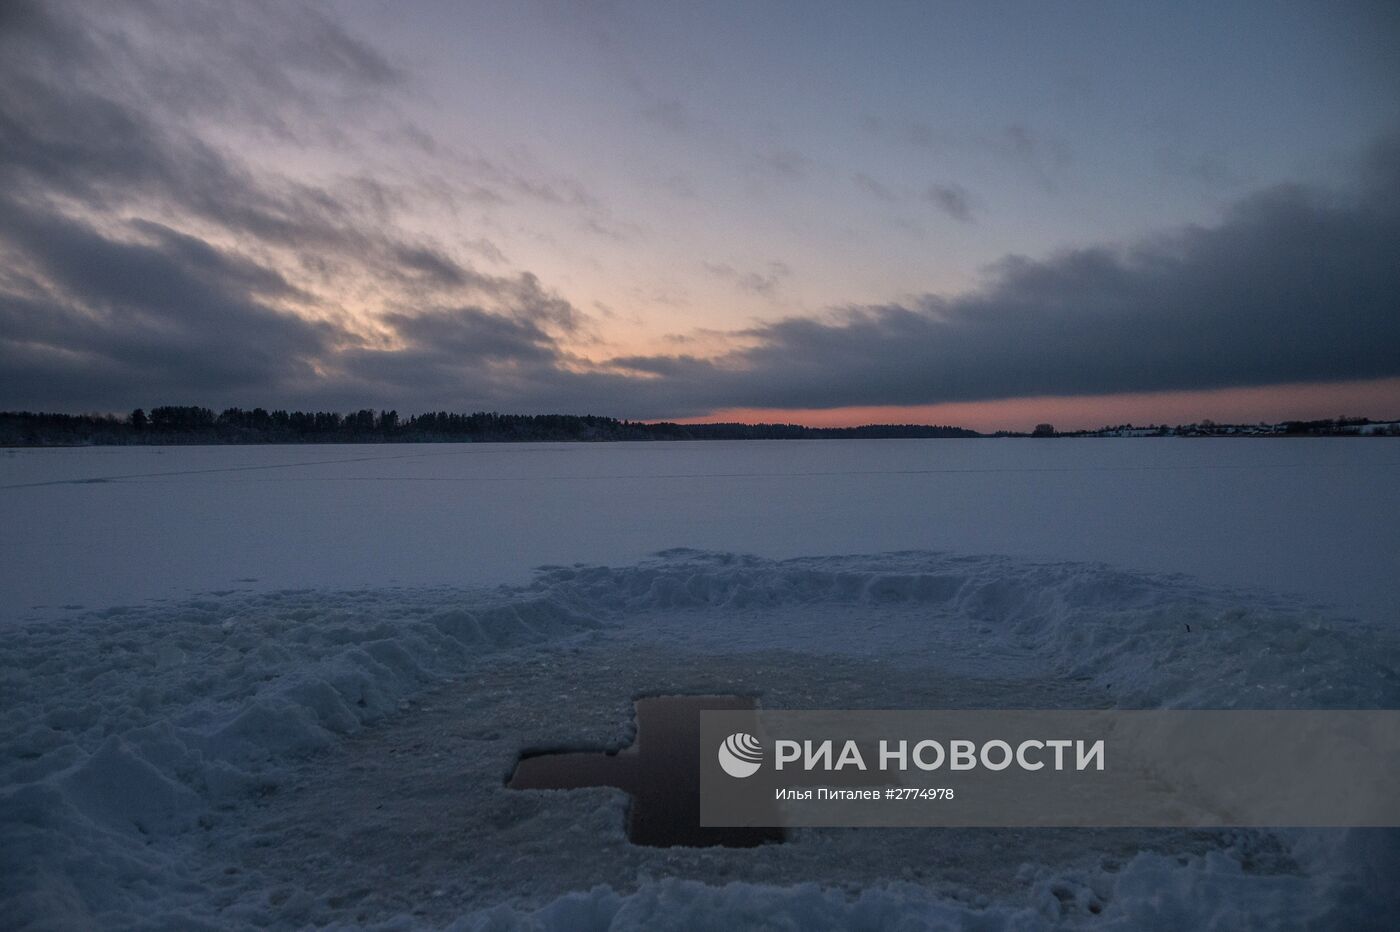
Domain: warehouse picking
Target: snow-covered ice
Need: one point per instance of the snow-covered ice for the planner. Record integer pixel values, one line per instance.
(106, 526)
(327, 745)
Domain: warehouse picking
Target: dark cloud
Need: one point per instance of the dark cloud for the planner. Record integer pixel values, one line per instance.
(142, 261)
(471, 335)
(1294, 285)
(94, 316)
(915, 133)
(951, 199)
(99, 115)
(468, 358)
(783, 163)
(1206, 170)
(763, 281)
(101, 95)
(111, 108)
(669, 113)
(874, 188)
(151, 314)
(1043, 157)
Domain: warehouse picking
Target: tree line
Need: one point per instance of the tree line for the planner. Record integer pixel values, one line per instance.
(190, 424)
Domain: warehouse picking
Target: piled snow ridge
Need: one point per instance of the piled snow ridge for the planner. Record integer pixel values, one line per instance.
(1154, 640)
(1150, 891)
(130, 728)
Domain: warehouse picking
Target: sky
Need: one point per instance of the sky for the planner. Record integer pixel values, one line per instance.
(989, 214)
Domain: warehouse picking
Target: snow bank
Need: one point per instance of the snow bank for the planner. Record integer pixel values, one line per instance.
(1154, 641)
(130, 733)
(1150, 892)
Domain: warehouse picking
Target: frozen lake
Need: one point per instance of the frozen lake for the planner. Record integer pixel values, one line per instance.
(97, 527)
(333, 657)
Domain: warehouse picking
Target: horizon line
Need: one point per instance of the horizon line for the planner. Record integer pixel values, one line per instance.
(125, 417)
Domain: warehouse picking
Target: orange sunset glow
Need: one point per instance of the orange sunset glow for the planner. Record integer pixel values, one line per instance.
(1269, 404)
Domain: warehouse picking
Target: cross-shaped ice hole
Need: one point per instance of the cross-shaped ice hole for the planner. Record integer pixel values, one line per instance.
(660, 770)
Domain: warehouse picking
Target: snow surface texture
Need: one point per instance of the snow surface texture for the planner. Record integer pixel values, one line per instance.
(211, 761)
(104, 526)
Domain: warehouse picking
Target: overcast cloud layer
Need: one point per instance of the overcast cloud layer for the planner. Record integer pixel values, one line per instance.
(157, 247)
(1294, 285)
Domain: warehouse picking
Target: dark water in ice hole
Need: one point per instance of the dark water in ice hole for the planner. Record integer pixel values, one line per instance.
(660, 770)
